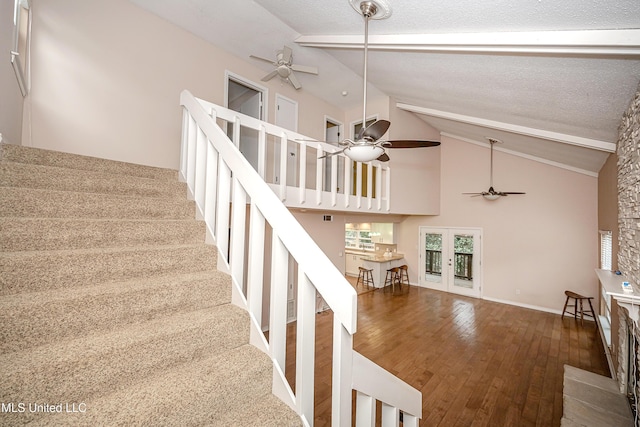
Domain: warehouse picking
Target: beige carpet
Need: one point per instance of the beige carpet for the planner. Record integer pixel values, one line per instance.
(111, 306)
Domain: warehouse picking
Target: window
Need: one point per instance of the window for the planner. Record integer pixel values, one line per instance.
(21, 37)
(605, 250)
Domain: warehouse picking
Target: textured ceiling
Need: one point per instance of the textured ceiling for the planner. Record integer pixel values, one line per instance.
(561, 104)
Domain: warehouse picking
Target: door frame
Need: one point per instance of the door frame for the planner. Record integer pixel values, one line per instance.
(448, 277)
(228, 75)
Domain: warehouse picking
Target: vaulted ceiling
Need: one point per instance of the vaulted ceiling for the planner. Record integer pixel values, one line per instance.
(551, 79)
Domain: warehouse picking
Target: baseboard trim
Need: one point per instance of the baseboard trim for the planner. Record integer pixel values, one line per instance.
(519, 304)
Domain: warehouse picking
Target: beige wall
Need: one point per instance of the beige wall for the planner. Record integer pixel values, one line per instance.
(541, 243)
(11, 101)
(608, 203)
(107, 78)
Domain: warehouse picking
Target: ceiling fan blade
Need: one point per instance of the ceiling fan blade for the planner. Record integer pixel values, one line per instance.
(294, 81)
(475, 194)
(326, 155)
(407, 143)
(270, 75)
(375, 130)
(287, 53)
(383, 158)
(304, 69)
(270, 61)
(511, 192)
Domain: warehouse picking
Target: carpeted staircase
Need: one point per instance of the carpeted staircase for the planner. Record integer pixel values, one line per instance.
(111, 306)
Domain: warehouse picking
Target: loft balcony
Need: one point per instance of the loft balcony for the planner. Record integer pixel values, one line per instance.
(289, 162)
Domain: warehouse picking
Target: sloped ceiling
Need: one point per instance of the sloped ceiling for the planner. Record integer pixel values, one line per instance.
(550, 79)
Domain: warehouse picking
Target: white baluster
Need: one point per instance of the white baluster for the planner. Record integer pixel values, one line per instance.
(305, 346)
(303, 172)
(262, 152)
(283, 166)
(379, 189)
(255, 262)
(238, 227)
(319, 176)
(359, 184)
(184, 138)
(201, 162)
(369, 185)
(278, 309)
(334, 180)
(348, 177)
(365, 410)
(224, 198)
(390, 416)
(191, 158)
(211, 192)
(341, 375)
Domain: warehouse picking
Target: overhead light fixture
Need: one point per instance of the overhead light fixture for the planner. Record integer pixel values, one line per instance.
(491, 197)
(364, 153)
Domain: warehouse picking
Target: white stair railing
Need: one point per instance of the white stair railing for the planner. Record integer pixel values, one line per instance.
(359, 184)
(223, 183)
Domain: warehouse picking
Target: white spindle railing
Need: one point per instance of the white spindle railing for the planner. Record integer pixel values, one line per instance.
(299, 195)
(222, 182)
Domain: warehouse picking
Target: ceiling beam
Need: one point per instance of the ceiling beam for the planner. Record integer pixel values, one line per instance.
(584, 42)
(609, 147)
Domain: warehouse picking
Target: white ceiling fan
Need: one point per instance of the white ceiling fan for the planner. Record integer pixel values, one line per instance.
(491, 193)
(285, 67)
(367, 145)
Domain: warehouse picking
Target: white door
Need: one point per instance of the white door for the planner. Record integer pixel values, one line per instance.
(287, 117)
(450, 260)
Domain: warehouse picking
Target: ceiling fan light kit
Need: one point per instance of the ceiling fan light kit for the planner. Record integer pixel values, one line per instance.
(363, 153)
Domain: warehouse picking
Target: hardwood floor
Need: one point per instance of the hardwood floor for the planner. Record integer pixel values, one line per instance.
(476, 362)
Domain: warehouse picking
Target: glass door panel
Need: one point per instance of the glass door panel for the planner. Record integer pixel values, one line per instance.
(450, 260)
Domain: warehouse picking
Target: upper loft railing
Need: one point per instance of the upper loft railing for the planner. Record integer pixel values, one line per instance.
(260, 241)
(289, 162)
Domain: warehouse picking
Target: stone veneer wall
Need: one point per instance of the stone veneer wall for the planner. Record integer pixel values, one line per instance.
(629, 192)
(629, 225)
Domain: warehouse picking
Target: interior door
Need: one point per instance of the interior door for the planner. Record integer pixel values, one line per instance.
(451, 260)
(287, 117)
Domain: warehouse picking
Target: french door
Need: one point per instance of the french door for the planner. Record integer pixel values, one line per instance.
(450, 260)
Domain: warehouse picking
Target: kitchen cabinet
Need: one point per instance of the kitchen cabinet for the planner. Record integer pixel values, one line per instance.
(352, 262)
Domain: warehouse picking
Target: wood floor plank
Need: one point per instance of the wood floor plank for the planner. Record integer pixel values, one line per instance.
(476, 362)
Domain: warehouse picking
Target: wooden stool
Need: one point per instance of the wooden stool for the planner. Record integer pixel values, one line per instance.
(578, 299)
(404, 276)
(392, 277)
(365, 276)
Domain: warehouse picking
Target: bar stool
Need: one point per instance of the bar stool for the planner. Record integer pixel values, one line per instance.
(579, 299)
(404, 276)
(392, 277)
(365, 276)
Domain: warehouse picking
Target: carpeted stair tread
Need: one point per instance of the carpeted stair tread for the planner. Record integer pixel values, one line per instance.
(54, 178)
(101, 364)
(37, 156)
(27, 234)
(35, 203)
(110, 298)
(197, 394)
(41, 270)
(38, 318)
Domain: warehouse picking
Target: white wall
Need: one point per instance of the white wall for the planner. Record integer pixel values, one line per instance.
(11, 101)
(542, 243)
(107, 77)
